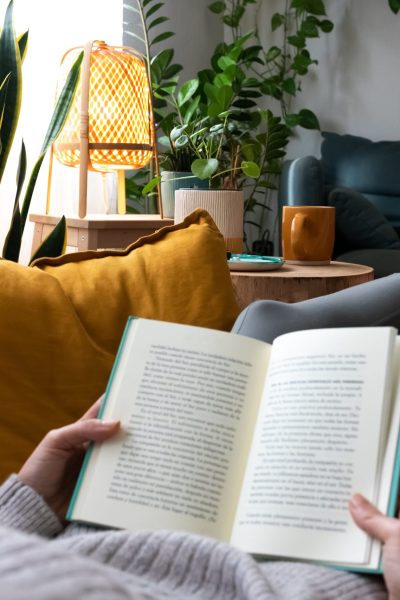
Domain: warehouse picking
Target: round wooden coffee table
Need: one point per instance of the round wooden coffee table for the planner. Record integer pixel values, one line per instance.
(293, 283)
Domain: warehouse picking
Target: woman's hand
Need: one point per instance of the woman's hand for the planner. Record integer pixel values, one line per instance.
(53, 467)
(385, 529)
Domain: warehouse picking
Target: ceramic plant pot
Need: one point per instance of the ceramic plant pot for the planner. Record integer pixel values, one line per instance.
(174, 180)
(225, 207)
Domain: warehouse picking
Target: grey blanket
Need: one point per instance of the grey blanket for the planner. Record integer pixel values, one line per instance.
(40, 560)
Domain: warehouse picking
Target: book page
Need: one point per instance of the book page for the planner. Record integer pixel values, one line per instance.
(317, 441)
(187, 398)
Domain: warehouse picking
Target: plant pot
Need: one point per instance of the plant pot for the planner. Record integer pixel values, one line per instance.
(225, 207)
(174, 180)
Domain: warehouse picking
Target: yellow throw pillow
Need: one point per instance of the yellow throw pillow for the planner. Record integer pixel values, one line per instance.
(50, 368)
(177, 274)
(61, 321)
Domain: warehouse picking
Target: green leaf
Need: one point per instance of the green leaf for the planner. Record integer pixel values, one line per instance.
(63, 104)
(270, 154)
(292, 120)
(3, 97)
(308, 119)
(164, 140)
(234, 18)
(156, 22)
(57, 121)
(10, 62)
(182, 141)
(219, 98)
(244, 103)
(161, 37)
(12, 244)
(54, 244)
(301, 62)
(289, 86)
(22, 45)
(309, 28)
(277, 20)
(176, 132)
(315, 7)
(298, 40)
(225, 61)
(394, 6)
(204, 168)
(171, 71)
(273, 53)
(222, 80)
(151, 185)
(250, 169)
(327, 26)
(163, 58)
(191, 109)
(154, 9)
(217, 7)
(187, 90)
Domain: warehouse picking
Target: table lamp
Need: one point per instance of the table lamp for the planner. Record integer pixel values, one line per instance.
(110, 125)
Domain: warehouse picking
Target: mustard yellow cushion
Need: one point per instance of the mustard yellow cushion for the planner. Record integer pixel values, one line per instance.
(50, 368)
(61, 321)
(177, 274)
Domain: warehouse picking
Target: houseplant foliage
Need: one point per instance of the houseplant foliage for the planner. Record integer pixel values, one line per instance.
(394, 6)
(12, 52)
(274, 76)
(212, 124)
(143, 26)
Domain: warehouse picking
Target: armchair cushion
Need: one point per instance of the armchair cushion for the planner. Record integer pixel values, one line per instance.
(361, 164)
(359, 223)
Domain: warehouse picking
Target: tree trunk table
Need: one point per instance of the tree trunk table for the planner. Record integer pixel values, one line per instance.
(294, 283)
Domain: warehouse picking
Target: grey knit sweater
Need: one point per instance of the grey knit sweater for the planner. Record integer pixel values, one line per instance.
(40, 560)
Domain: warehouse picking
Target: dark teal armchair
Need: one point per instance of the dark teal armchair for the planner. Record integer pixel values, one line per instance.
(361, 179)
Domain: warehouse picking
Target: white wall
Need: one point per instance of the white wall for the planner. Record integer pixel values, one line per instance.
(355, 88)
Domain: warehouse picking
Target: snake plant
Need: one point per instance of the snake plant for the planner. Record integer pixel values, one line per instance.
(12, 53)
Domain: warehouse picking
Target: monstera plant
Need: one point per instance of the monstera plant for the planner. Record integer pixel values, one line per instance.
(12, 53)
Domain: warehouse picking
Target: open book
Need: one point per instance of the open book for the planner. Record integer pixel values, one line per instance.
(259, 445)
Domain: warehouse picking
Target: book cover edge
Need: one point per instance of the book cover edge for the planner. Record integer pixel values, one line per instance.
(78, 485)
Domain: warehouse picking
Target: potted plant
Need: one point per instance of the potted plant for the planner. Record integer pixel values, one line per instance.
(202, 131)
(242, 75)
(12, 54)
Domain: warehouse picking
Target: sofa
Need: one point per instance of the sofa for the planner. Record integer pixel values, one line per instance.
(361, 179)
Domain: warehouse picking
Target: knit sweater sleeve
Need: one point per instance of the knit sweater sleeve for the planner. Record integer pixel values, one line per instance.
(23, 509)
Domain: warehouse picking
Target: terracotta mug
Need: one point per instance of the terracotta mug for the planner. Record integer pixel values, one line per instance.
(308, 234)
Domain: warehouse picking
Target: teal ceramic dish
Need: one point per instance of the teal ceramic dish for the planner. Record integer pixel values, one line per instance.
(253, 262)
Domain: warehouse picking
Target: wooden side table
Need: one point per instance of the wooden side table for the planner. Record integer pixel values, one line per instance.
(293, 283)
(98, 231)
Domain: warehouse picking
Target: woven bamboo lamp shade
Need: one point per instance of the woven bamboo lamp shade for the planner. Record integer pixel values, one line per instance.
(110, 125)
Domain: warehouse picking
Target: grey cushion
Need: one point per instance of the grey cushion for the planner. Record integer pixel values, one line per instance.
(384, 261)
(359, 222)
(369, 304)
